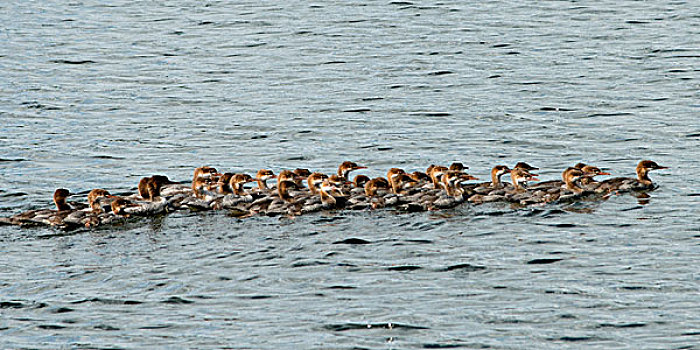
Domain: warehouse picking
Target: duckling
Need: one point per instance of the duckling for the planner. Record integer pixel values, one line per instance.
(207, 173)
(358, 185)
(239, 199)
(360, 181)
(284, 186)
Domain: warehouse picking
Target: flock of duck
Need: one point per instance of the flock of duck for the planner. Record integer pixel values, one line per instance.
(439, 187)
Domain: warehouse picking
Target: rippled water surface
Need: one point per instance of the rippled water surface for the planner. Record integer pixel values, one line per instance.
(99, 94)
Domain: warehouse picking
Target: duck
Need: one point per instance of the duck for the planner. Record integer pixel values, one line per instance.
(525, 166)
(457, 166)
(59, 199)
(435, 173)
(124, 207)
(492, 191)
(391, 176)
(520, 177)
(571, 177)
(262, 176)
(452, 182)
(520, 193)
(224, 184)
(420, 177)
(358, 185)
(590, 172)
(99, 200)
(552, 186)
(641, 183)
(339, 182)
(286, 181)
(301, 175)
(204, 189)
(239, 198)
(238, 181)
(497, 172)
(372, 187)
(46, 216)
(402, 183)
(359, 181)
(331, 195)
(97, 213)
(346, 167)
(314, 181)
(206, 172)
(283, 188)
(157, 180)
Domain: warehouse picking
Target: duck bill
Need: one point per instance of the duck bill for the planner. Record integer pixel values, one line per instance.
(360, 167)
(604, 173)
(661, 167)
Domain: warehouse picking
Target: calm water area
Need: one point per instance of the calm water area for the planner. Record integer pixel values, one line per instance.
(101, 93)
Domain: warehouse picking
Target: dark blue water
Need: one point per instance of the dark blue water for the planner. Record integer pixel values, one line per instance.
(99, 95)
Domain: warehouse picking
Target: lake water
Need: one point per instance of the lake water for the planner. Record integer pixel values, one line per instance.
(95, 95)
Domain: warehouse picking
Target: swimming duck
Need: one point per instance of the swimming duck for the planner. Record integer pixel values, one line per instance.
(314, 181)
(436, 173)
(525, 166)
(497, 172)
(301, 175)
(375, 185)
(520, 177)
(45, 216)
(346, 167)
(452, 182)
(331, 196)
(262, 176)
(360, 181)
(124, 207)
(238, 181)
(284, 186)
(391, 176)
(641, 183)
(420, 177)
(99, 200)
(457, 166)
